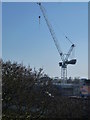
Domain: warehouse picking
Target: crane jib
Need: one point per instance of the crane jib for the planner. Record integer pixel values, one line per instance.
(52, 33)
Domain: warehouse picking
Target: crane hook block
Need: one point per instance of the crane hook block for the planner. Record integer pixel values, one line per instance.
(38, 3)
(39, 19)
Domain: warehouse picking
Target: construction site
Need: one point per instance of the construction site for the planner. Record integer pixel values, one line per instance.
(30, 93)
(66, 88)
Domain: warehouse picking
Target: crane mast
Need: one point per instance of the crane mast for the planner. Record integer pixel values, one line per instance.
(64, 58)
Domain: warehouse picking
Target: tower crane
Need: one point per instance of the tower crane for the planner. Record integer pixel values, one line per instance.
(64, 57)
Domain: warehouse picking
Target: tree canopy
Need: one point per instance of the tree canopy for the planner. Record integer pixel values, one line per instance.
(25, 97)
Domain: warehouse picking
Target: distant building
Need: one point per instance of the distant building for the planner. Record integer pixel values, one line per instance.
(69, 89)
(56, 80)
(82, 81)
(85, 88)
(44, 80)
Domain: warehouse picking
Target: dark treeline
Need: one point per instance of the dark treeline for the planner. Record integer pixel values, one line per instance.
(25, 98)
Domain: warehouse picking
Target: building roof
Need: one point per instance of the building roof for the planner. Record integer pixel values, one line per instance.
(45, 78)
(87, 82)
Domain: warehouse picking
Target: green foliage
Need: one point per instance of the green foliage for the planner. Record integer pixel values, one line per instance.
(26, 98)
